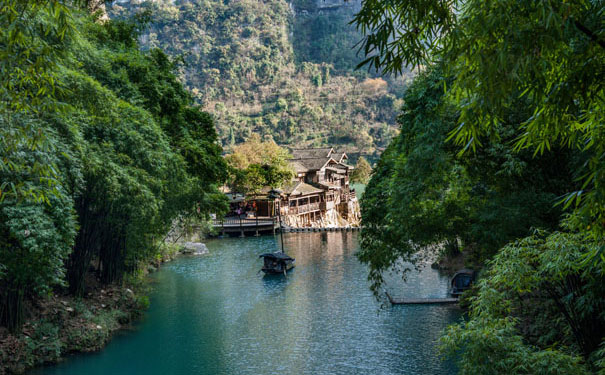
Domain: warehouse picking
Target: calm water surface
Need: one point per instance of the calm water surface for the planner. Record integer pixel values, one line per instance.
(215, 314)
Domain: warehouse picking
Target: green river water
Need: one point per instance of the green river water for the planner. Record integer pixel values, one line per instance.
(215, 314)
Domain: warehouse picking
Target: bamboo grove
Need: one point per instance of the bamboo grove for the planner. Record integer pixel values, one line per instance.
(500, 157)
(101, 148)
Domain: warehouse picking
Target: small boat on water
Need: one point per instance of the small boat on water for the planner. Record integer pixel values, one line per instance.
(276, 263)
(462, 281)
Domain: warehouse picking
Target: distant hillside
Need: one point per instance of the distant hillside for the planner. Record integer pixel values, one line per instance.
(275, 68)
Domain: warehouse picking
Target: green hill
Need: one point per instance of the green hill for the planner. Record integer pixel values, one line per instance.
(275, 68)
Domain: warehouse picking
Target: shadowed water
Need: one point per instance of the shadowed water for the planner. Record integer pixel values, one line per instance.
(215, 314)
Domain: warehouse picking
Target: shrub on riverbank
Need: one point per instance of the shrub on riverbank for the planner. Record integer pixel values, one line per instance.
(63, 324)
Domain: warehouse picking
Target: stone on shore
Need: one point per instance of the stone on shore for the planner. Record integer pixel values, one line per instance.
(195, 248)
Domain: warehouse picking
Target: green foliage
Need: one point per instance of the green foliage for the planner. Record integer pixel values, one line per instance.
(33, 35)
(560, 79)
(123, 152)
(35, 237)
(361, 173)
(422, 194)
(539, 310)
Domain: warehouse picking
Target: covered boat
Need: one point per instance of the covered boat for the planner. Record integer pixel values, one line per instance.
(278, 262)
(462, 281)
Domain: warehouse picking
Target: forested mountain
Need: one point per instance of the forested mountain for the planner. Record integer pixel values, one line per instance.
(276, 68)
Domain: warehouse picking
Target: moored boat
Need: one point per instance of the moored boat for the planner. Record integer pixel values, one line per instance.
(276, 263)
(462, 281)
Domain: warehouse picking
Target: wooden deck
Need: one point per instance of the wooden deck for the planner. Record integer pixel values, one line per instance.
(421, 301)
(241, 225)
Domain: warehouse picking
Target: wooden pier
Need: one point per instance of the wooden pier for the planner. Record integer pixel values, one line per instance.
(321, 229)
(240, 226)
(421, 301)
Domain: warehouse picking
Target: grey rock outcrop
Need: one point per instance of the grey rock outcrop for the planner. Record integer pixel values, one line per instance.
(195, 248)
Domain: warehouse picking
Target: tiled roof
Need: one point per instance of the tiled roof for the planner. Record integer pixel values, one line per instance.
(300, 188)
(346, 166)
(329, 186)
(313, 159)
(313, 164)
(312, 153)
(339, 156)
(306, 189)
(298, 166)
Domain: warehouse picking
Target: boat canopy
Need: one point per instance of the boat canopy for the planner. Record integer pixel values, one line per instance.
(277, 255)
(463, 279)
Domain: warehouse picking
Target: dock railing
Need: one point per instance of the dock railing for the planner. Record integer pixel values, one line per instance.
(234, 221)
(241, 224)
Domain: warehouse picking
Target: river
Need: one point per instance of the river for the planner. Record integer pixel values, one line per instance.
(215, 314)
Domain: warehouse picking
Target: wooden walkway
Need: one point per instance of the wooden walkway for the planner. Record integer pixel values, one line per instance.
(241, 225)
(254, 225)
(420, 301)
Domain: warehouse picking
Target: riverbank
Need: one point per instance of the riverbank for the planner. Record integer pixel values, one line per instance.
(61, 324)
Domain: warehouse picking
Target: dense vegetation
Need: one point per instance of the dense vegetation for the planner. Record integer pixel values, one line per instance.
(274, 68)
(257, 163)
(102, 149)
(500, 156)
(362, 172)
(500, 153)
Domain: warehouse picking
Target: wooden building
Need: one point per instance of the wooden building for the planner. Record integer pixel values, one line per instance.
(318, 195)
(326, 169)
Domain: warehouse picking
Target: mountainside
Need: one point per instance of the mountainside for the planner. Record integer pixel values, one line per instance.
(279, 69)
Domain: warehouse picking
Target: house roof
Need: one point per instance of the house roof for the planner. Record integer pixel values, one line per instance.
(313, 159)
(298, 166)
(313, 164)
(312, 153)
(300, 188)
(344, 166)
(276, 255)
(329, 186)
(339, 156)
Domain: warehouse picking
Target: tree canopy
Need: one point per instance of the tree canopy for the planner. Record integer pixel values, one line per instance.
(257, 163)
(550, 53)
(362, 171)
(102, 164)
(499, 135)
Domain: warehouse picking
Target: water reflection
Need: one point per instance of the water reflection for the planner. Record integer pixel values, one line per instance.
(216, 314)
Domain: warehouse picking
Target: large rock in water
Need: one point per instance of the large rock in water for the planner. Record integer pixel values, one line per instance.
(196, 248)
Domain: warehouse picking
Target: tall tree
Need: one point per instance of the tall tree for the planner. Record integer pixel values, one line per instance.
(362, 171)
(257, 163)
(551, 53)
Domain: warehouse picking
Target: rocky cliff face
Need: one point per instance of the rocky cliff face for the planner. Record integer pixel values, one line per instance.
(347, 214)
(98, 7)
